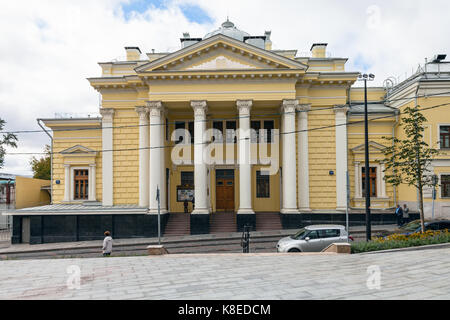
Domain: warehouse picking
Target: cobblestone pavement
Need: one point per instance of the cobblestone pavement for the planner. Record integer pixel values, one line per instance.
(421, 274)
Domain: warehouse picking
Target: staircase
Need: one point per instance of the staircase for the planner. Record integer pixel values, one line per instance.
(179, 224)
(221, 222)
(268, 221)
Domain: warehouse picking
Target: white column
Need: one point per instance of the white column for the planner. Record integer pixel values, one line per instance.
(163, 162)
(156, 174)
(341, 157)
(357, 180)
(92, 185)
(67, 182)
(303, 158)
(288, 110)
(143, 156)
(245, 168)
(200, 170)
(382, 182)
(107, 156)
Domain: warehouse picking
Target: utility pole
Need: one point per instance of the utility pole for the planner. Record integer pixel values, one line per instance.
(159, 215)
(365, 78)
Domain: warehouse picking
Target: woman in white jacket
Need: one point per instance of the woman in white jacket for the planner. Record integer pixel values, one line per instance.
(107, 244)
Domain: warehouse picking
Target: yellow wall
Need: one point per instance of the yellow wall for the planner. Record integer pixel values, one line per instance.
(29, 193)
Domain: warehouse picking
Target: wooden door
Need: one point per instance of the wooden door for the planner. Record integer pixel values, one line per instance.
(225, 194)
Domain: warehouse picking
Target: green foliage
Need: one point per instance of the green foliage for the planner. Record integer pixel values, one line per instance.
(8, 139)
(42, 167)
(360, 247)
(409, 158)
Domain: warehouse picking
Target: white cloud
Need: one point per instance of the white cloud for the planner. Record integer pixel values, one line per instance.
(49, 48)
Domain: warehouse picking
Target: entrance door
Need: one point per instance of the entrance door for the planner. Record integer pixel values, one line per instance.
(225, 190)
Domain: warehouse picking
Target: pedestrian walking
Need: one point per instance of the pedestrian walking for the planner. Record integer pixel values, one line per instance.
(193, 203)
(405, 214)
(107, 244)
(399, 215)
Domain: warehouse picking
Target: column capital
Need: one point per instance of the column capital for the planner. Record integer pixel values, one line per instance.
(244, 106)
(107, 113)
(66, 165)
(341, 110)
(289, 105)
(156, 108)
(303, 107)
(200, 107)
(142, 112)
(92, 165)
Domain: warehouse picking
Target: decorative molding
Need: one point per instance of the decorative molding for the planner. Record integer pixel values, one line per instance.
(107, 114)
(341, 110)
(200, 107)
(289, 105)
(156, 108)
(142, 112)
(244, 106)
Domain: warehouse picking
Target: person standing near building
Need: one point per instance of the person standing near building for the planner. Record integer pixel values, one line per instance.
(107, 244)
(405, 214)
(399, 214)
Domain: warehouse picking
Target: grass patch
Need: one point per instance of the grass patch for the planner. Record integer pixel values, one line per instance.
(396, 241)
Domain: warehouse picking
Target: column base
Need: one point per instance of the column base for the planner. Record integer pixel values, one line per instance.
(307, 210)
(341, 208)
(200, 211)
(246, 211)
(289, 211)
(155, 211)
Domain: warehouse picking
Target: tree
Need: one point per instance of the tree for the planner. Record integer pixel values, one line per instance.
(409, 159)
(42, 167)
(8, 139)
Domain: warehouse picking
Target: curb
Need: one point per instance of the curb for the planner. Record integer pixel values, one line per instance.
(417, 248)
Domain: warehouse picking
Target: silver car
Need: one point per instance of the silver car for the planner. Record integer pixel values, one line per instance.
(313, 238)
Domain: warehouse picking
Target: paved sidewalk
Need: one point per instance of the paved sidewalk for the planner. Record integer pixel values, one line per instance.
(404, 275)
(19, 248)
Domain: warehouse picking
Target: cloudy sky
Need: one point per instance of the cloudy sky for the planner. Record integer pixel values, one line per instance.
(49, 48)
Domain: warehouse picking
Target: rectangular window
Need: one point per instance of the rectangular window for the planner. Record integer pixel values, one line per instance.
(372, 181)
(187, 178)
(231, 132)
(256, 126)
(262, 185)
(179, 125)
(445, 186)
(167, 129)
(81, 184)
(268, 131)
(218, 125)
(191, 130)
(444, 134)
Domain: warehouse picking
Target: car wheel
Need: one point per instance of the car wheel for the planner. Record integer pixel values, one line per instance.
(294, 250)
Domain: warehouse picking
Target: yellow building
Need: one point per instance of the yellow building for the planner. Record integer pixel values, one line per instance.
(244, 128)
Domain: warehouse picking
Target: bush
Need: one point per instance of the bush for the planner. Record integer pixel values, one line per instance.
(395, 241)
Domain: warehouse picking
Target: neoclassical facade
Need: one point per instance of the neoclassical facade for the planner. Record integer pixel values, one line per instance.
(226, 124)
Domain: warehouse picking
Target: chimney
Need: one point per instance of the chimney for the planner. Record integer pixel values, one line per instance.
(268, 44)
(319, 50)
(133, 53)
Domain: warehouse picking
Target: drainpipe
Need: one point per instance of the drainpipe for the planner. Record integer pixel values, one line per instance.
(51, 160)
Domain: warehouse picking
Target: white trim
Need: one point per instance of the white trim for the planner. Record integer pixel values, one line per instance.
(72, 183)
(438, 140)
(218, 92)
(381, 184)
(341, 157)
(439, 184)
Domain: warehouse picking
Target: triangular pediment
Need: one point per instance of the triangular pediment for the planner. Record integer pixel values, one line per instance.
(374, 147)
(220, 53)
(78, 149)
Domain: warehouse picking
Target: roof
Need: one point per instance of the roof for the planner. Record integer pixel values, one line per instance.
(228, 28)
(324, 226)
(358, 108)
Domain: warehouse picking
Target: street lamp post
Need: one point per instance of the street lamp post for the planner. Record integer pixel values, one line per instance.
(365, 78)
